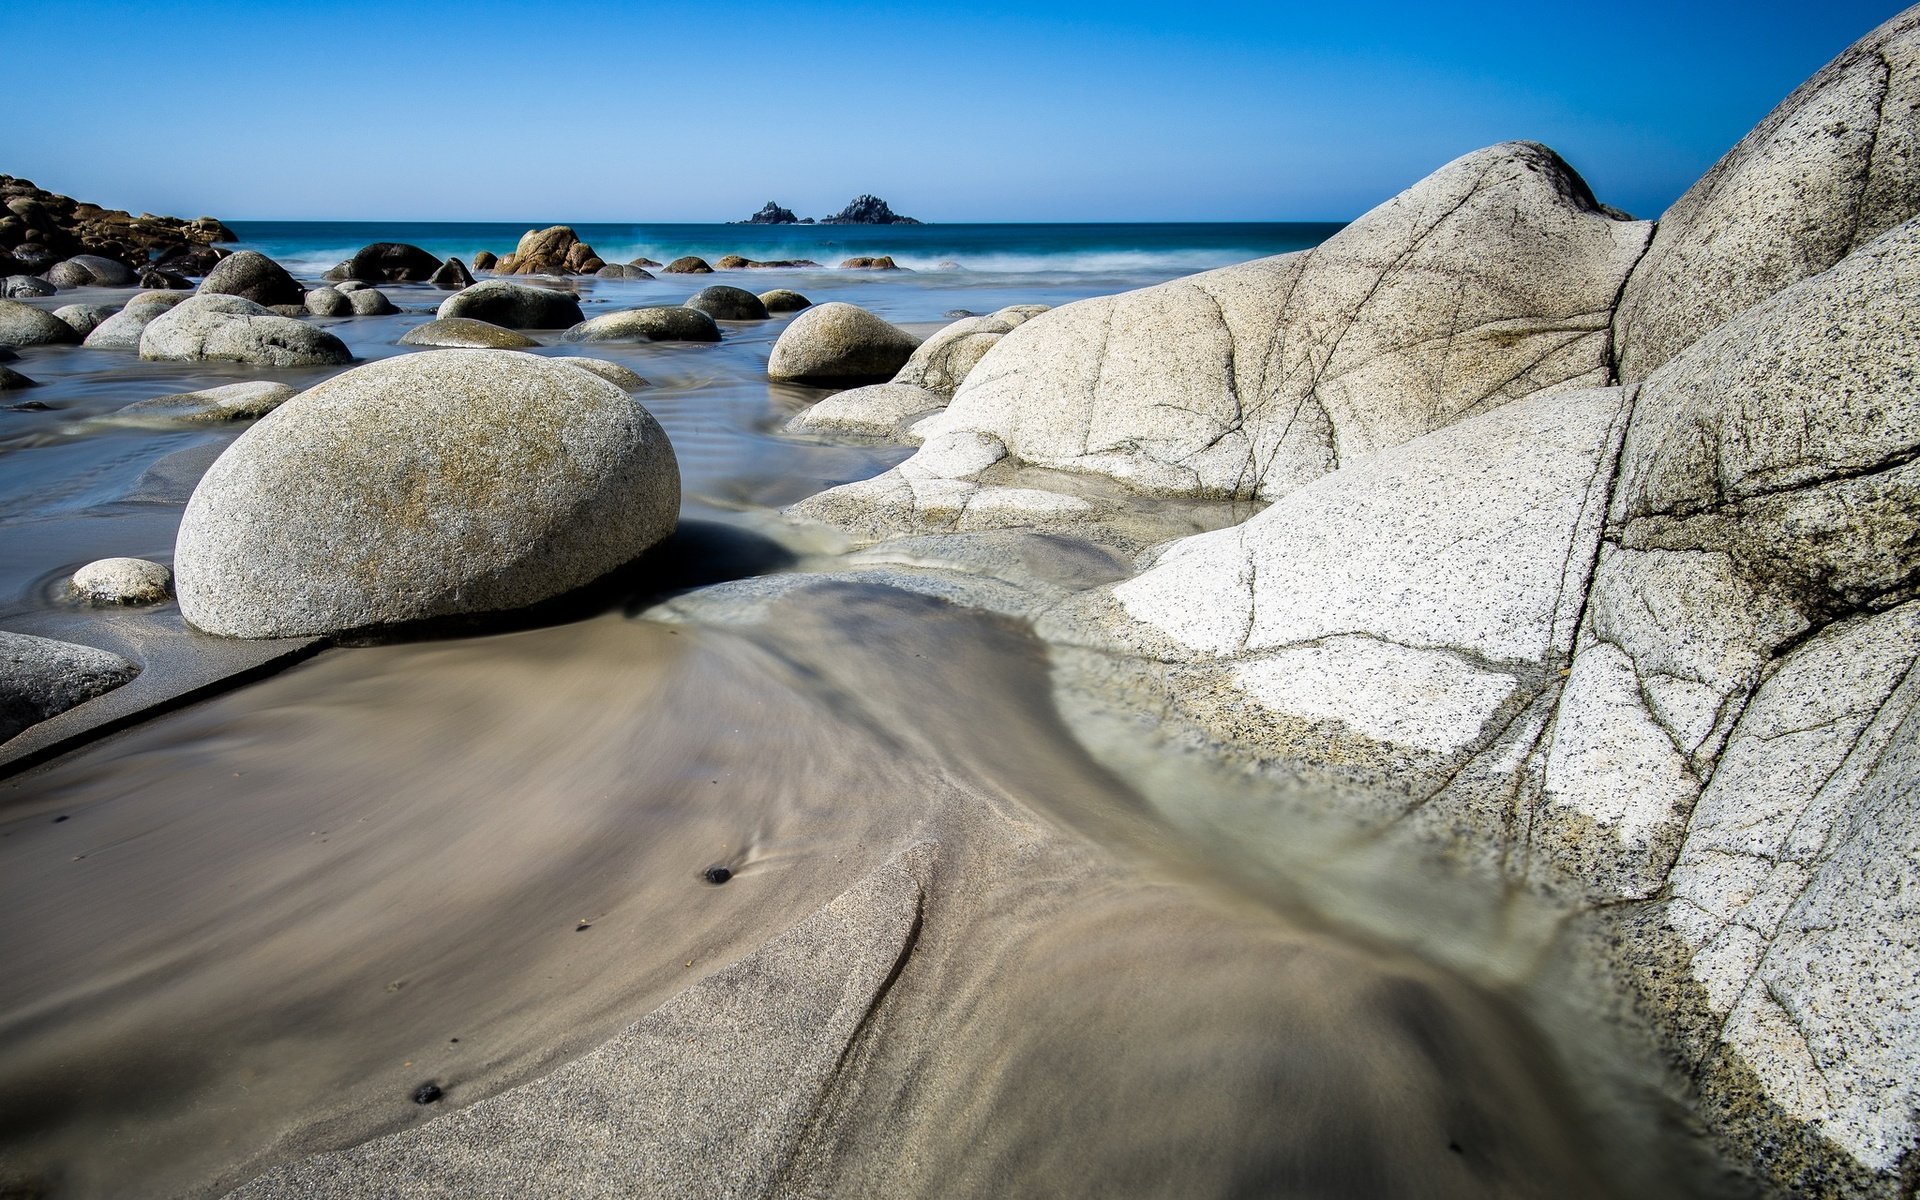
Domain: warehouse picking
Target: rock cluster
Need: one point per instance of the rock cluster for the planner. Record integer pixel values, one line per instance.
(772, 214)
(556, 250)
(41, 228)
(867, 210)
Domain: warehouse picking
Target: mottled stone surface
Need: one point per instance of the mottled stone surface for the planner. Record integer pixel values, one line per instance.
(656, 323)
(840, 343)
(221, 328)
(466, 333)
(122, 581)
(40, 677)
(513, 305)
(433, 484)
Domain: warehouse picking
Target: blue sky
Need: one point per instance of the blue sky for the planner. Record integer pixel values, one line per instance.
(689, 111)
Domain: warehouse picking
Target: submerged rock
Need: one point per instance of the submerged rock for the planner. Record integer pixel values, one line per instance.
(434, 484)
(122, 581)
(466, 333)
(224, 328)
(328, 302)
(622, 271)
(370, 302)
(869, 263)
(656, 323)
(12, 380)
(840, 343)
(688, 265)
(230, 402)
(724, 303)
(253, 276)
(41, 678)
(513, 305)
(612, 372)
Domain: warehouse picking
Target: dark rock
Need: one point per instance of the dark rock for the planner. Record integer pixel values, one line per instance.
(34, 257)
(734, 262)
(370, 302)
(253, 276)
(452, 276)
(192, 260)
(20, 287)
(485, 260)
(427, 1093)
(11, 381)
(25, 325)
(392, 262)
(772, 214)
(716, 875)
(155, 279)
(90, 270)
(867, 210)
(623, 271)
(514, 306)
(42, 228)
(724, 303)
(688, 265)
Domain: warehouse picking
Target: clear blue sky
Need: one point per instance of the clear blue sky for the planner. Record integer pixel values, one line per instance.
(700, 111)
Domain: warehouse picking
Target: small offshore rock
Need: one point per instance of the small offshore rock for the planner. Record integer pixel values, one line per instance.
(724, 303)
(466, 333)
(328, 302)
(452, 276)
(840, 343)
(24, 325)
(868, 263)
(772, 214)
(642, 261)
(623, 271)
(370, 302)
(253, 276)
(655, 323)
(688, 265)
(514, 305)
(781, 300)
(230, 402)
(154, 278)
(122, 581)
(612, 372)
(41, 678)
(23, 287)
(85, 318)
(226, 328)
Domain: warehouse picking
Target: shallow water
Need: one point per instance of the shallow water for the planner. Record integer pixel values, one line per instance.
(251, 929)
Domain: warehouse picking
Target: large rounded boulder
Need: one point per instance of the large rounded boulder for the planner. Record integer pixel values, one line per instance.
(25, 325)
(90, 270)
(656, 323)
(230, 329)
(513, 305)
(430, 485)
(839, 344)
(253, 276)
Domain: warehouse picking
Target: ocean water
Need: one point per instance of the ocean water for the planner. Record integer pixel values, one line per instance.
(1064, 261)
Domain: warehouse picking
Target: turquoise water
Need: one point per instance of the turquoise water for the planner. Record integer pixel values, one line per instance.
(1079, 258)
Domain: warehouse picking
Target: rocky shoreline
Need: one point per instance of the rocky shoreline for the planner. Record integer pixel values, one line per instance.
(1571, 550)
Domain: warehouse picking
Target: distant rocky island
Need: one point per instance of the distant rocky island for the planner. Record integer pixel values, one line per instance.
(862, 210)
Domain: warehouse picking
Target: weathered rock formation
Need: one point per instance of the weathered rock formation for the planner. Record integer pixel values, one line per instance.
(772, 214)
(556, 250)
(867, 210)
(56, 227)
(219, 328)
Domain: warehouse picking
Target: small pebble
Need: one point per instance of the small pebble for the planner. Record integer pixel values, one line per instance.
(427, 1093)
(716, 875)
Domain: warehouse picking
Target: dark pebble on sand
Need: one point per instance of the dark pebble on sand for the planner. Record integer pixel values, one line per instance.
(57, 820)
(716, 875)
(427, 1093)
